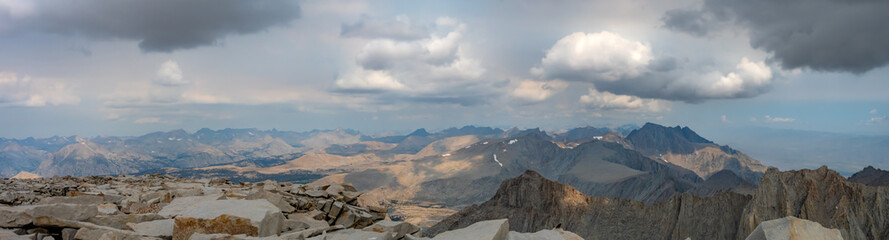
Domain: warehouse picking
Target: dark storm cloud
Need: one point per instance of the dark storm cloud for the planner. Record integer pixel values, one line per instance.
(158, 25)
(824, 35)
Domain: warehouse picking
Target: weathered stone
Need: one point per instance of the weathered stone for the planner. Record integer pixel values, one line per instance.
(120, 221)
(157, 228)
(351, 197)
(316, 193)
(398, 228)
(7, 234)
(250, 217)
(377, 209)
(69, 233)
(335, 209)
(82, 199)
(317, 214)
(273, 198)
(791, 228)
(347, 218)
(311, 232)
(334, 189)
(354, 234)
(555, 234)
(15, 216)
(108, 208)
(141, 208)
(485, 230)
(307, 219)
(348, 188)
(65, 211)
(101, 234)
(179, 205)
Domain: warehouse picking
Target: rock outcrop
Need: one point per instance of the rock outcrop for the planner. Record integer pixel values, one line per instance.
(822, 196)
(791, 228)
(533, 203)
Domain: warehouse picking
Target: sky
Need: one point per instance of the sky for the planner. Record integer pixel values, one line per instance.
(101, 67)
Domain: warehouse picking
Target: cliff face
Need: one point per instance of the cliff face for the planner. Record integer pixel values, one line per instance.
(533, 203)
(823, 196)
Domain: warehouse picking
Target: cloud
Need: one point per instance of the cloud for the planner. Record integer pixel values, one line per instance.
(621, 66)
(536, 91)
(603, 56)
(725, 119)
(436, 68)
(873, 111)
(824, 35)
(361, 80)
(400, 28)
(158, 25)
(169, 74)
(689, 21)
(611, 101)
(25, 91)
(875, 120)
(778, 119)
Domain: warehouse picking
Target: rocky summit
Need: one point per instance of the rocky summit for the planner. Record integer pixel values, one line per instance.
(164, 207)
(821, 196)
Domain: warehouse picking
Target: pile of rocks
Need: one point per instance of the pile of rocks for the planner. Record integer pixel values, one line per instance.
(163, 207)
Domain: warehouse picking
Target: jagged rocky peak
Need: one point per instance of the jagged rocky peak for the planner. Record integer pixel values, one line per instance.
(871, 176)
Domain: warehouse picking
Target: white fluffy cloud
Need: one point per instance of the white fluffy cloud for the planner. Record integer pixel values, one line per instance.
(169, 74)
(536, 91)
(873, 111)
(778, 119)
(611, 101)
(435, 68)
(748, 75)
(603, 56)
(25, 91)
(626, 67)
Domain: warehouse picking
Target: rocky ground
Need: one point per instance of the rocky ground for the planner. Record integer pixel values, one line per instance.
(164, 207)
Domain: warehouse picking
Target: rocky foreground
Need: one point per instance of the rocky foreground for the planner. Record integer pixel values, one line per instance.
(163, 207)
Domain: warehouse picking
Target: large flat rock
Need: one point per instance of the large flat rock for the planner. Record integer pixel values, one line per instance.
(250, 217)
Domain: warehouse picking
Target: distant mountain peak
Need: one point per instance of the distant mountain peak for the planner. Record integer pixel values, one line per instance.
(421, 132)
(656, 139)
(871, 176)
